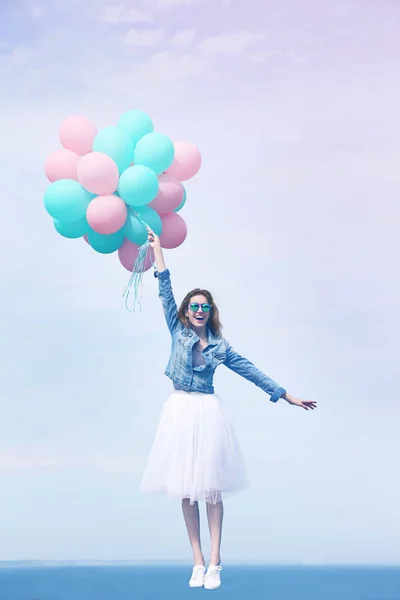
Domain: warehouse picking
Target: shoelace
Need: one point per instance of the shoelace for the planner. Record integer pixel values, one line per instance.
(214, 572)
(198, 573)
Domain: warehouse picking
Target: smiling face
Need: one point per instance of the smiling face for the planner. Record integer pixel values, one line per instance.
(200, 320)
(198, 317)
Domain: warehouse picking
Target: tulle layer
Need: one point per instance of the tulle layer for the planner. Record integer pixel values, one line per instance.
(195, 453)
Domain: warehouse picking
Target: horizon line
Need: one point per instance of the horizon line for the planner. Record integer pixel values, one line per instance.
(104, 562)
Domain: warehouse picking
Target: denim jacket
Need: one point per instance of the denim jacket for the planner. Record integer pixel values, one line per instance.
(180, 367)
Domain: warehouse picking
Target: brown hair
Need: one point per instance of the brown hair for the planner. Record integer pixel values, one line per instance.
(213, 322)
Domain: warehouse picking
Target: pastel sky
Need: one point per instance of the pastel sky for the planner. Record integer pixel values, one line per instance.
(293, 224)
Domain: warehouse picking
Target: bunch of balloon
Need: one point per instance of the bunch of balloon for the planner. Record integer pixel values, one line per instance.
(107, 186)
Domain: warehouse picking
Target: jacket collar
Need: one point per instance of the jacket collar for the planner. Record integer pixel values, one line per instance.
(213, 340)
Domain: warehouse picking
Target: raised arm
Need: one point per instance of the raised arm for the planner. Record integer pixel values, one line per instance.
(165, 288)
(242, 366)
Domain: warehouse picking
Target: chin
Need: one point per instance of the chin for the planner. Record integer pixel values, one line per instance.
(199, 325)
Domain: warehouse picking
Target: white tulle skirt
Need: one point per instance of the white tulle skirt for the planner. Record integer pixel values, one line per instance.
(195, 453)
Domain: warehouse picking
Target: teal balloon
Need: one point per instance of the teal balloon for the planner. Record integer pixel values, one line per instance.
(155, 151)
(66, 200)
(72, 230)
(138, 185)
(134, 229)
(116, 143)
(137, 124)
(105, 244)
(150, 217)
(183, 202)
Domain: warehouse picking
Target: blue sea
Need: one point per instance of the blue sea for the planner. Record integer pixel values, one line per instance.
(155, 582)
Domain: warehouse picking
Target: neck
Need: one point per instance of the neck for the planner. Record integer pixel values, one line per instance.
(202, 332)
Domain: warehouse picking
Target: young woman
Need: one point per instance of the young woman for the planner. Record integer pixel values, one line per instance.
(195, 454)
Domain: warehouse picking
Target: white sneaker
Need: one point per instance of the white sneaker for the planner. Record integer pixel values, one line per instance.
(197, 578)
(212, 580)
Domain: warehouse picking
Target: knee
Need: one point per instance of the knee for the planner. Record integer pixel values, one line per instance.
(187, 502)
(215, 501)
(213, 498)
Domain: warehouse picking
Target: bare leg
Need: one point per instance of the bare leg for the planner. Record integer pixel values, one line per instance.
(215, 514)
(192, 521)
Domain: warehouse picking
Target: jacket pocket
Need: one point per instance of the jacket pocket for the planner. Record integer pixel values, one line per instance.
(218, 357)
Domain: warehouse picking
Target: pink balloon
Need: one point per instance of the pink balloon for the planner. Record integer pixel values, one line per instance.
(61, 164)
(170, 194)
(85, 237)
(106, 214)
(77, 134)
(128, 253)
(186, 163)
(174, 230)
(98, 173)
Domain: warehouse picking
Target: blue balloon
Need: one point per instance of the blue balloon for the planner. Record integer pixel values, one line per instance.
(183, 202)
(134, 229)
(155, 151)
(72, 230)
(66, 200)
(116, 143)
(105, 244)
(138, 185)
(137, 124)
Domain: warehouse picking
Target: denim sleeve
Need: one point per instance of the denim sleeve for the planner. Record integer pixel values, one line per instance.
(168, 301)
(242, 366)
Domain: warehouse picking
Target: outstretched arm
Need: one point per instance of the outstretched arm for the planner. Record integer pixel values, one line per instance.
(165, 288)
(242, 366)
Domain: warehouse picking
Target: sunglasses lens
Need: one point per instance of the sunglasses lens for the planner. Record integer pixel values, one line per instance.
(195, 307)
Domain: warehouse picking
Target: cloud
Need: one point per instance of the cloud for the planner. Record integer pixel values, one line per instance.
(37, 12)
(115, 15)
(147, 39)
(178, 2)
(296, 58)
(264, 56)
(340, 11)
(14, 59)
(231, 44)
(167, 66)
(184, 37)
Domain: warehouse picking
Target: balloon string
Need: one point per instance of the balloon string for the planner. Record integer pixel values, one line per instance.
(135, 283)
(139, 218)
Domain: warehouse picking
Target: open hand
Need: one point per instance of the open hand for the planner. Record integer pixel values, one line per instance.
(306, 404)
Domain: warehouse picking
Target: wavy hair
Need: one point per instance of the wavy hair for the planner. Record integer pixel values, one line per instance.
(213, 322)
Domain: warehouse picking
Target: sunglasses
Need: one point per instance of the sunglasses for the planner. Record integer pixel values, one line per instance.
(194, 306)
